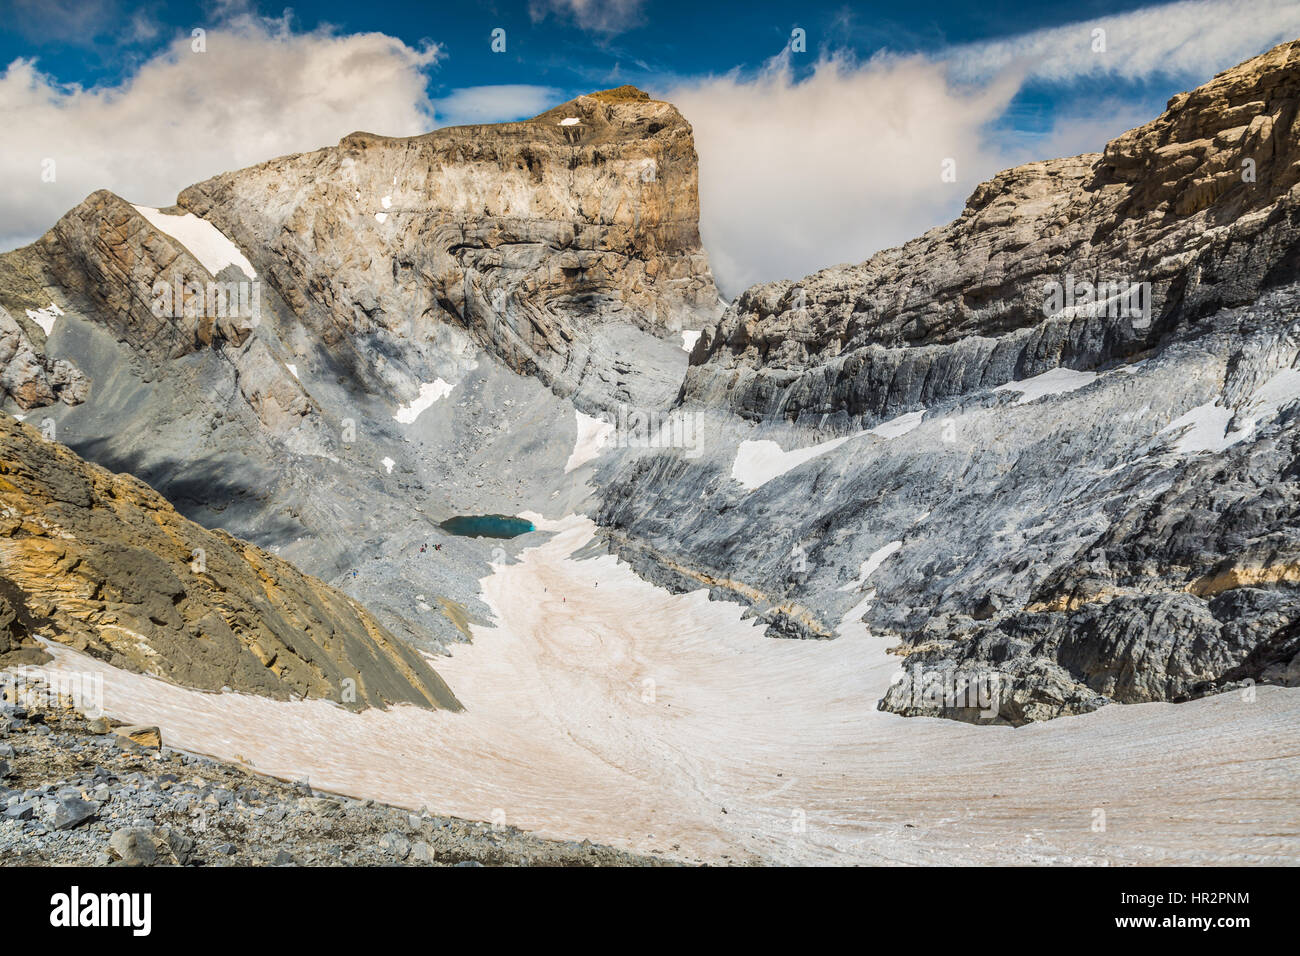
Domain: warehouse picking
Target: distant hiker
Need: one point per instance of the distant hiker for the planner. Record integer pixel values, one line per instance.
(437, 547)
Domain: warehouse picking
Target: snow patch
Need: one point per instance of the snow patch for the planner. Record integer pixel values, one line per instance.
(293, 369)
(872, 564)
(851, 624)
(1058, 381)
(388, 464)
(381, 216)
(45, 317)
(758, 462)
(593, 433)
(204, 240)
(570, 121)
(689, 339)
(430, 392)
(1205, 427)
(896, 427)
(1275, 394)
(387, 202)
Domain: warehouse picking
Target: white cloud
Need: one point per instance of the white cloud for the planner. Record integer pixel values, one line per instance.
(1194, 38)
(800, 175)
(597, 16)
(796, 176)
(494, 104)
(258, 92)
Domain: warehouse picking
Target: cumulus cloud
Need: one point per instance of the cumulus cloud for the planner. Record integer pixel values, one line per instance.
(796, 176)
(259, 91)
(800, 174)
(495, 104)
(597, 16)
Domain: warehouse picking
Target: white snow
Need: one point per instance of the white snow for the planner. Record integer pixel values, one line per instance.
(593, 433)
(896, 427)
(1206, 429)
(45, 317)
(570, 121)
(689, 339)
(387, 202)
(1055, 382)
(758, 462)
(381, 216)
(1275, 394)
(1206, 426)
(204, 240)
(872, 563)
(388, 464)
(430, 392)
(293, 369)
(851, 624)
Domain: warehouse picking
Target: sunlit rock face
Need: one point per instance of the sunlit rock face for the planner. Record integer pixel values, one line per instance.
(535, 236)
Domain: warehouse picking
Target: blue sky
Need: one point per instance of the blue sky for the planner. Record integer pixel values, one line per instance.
(807, 157)
(652, 44)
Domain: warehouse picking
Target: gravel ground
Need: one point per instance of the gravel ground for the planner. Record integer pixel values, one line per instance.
(74, 791)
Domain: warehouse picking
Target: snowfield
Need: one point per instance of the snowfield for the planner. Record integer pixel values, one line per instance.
(603, 707)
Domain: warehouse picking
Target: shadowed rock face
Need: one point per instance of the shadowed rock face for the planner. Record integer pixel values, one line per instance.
(1200, 203)
(102, 563)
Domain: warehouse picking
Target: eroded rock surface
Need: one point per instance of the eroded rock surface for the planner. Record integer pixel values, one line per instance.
(31, 378)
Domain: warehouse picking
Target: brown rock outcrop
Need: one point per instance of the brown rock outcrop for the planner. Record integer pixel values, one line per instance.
(104, 564)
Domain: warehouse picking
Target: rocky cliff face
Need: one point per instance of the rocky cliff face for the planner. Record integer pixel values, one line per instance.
(103, 563)
(541, 238)
(1200, 204)
(332, 352)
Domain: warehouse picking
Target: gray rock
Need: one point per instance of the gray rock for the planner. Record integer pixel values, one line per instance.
(422, 852)
(70, 812)
(134, 847)
(20, 811)
(395, 845)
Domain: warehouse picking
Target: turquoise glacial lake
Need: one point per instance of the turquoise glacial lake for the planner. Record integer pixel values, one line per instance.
(487, 526)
